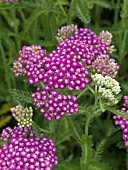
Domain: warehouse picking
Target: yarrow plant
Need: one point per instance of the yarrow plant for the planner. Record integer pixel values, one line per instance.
(81, 62)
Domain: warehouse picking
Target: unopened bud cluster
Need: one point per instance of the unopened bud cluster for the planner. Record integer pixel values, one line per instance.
(107, 37)
(108, 87)
(105, 65)
(123, 122)
(65, 32)
(22, 115)
(28, 153)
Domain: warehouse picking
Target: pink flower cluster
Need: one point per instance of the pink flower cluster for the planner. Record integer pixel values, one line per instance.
(30, 63)
(53, 104)
(123, 122)
(26, 153)
(65, 70)
(85, 45)
(67, 66)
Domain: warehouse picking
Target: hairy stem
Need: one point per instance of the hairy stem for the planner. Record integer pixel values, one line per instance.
(82, 93)
(45, 131)
(122, 51)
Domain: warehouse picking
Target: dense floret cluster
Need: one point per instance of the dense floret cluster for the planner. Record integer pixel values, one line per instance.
(65, 70)
(85, 45)
(105, 65)
(67, 67)
(107, 87)
(26, 153)
(123, 122)
(22, 115)
(30, 63)
(53, 104)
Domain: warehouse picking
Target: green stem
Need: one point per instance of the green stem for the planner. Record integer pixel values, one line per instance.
(122, 54)
(82, 93)
(91, 89)
(83, 163)
(17, 38)
(116, 12)
(66, 123)
(87, 125)
(95, 104)
(45, 131)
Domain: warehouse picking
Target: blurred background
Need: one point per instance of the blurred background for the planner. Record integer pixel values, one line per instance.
(36, 22)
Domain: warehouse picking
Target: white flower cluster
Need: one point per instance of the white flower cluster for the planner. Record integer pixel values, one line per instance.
(22, 115)
(107, 87)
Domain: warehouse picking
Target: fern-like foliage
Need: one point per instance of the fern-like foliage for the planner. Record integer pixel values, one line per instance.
(96, 166)
(81, 10)
(88, 3)
(99, 150)
(75, 128)
(21, 97)
(117, 112)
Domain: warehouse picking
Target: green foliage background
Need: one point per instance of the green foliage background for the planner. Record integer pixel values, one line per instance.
(36, 22)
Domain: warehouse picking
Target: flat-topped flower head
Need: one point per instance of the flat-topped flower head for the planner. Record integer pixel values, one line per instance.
(85, 45)
(65, 70)
(65, 32)
(30, 63)
(26, 153)
(123, 122)
(108, 87)
(54, 105)
(105, 65)
(22, 115)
